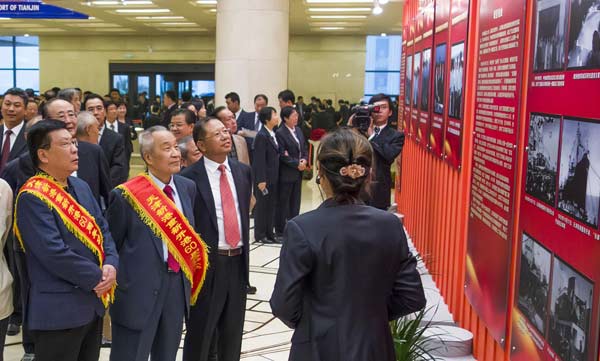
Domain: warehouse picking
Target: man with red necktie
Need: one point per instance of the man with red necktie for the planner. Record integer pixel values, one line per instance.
(222, 218)
(163, 260)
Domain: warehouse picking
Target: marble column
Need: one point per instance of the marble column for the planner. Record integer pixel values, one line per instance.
(252, 49)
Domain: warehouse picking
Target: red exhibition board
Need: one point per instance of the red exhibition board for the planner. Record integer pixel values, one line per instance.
(556, 315)
(498, 97)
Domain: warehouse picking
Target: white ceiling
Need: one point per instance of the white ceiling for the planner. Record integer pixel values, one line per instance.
(160, 17)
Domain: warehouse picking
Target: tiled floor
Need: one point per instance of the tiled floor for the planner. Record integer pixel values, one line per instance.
(265, 337)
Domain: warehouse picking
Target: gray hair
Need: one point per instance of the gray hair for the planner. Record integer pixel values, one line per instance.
(146, 139)
(67, 94)
(183, 146)
(84, 120)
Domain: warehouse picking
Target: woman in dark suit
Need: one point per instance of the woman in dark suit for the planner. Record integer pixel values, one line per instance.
(345, 268)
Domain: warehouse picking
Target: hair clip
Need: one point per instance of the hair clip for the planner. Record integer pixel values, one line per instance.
(353, 171)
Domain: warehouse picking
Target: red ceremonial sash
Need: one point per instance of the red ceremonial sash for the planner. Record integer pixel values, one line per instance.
(160, 213)
(76, 218)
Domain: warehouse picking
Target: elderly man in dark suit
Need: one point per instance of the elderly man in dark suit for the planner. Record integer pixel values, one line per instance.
(12, 144)
(265, 167)
(293, 161)
(70, 255)
(387, 144)
(248, 121)
(222, 218)
(111, 143)
(154, 290)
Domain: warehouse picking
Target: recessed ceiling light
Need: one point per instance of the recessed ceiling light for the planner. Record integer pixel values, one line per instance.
(26, 35)
(377, 10)
(179, 24)
(338, 16)
(338, 1)
(339, 10)
(206, 2)
(4, 18)
(383, 34)
(133, 11)
(101, 3)
(213, 10)
(383, 2)
(331, 28)
(159, 17)
(137, 2)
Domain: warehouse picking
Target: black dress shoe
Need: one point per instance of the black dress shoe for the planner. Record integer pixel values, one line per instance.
(13, 329)
(251, 290)
(265, 241)
(278, 240)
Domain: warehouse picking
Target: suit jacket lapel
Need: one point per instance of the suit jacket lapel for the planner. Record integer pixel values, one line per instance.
(205, 191)
(271, 140)
(188, 211)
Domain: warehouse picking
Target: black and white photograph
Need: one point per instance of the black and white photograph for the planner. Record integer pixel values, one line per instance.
(542, 157)
(439, 81)
(550, 35)
(457, 62)
(570, 312)
(416, 79)
(408, 80)
(425, 80)
(534, 282)
(584, 34)
(579, 176)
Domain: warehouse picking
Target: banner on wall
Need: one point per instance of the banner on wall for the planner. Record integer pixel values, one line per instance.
(556, 306)
(35, 9)
(424, 48)
(498, 89)
(416, 76)
(440, 71)
(457, 55)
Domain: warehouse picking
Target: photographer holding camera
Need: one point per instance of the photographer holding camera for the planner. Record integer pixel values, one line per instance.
(387, 143)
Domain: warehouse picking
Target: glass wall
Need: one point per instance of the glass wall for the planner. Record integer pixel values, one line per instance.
(382, 66)
(19, 62)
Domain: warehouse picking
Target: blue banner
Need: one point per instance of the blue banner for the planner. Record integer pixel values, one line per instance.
(36, 10)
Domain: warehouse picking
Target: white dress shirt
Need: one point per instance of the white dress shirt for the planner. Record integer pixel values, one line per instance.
(272, 134)
(108, 125)
(293, 131)
(100, 132)
(256, 121)
(214, 178)
(380, 130)
(13, 137)
(161, 186)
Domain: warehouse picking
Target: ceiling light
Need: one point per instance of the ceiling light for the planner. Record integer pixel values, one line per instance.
(377, 10)
(339, 1)
(383, 2)
(331, 28)
(206, 2)
(101, 3)
(383, 34)
(338, 16)
(340, 10)
(159, 17)
(137, 2)
(213, 10)
(132, 11)
(179, 24)
(4, 18)
(26, 35)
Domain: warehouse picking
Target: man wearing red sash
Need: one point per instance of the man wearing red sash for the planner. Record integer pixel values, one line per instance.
(70, 255)
(162, 259)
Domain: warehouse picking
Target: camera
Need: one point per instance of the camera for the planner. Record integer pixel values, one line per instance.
(362, 116)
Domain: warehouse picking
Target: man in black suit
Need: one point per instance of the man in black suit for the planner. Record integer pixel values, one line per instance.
(387, 144)
(249, 121)
(122, 129)
(170, 101)
(12, 144)
(111, 143)
(293, 161)
(301, 107)
(224, 186)
(153, 292)
(265, 167)
(232, 100)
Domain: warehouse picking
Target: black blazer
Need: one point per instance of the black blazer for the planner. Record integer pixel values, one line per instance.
(166, 117)
(206, 216)
(246, 121)
(344, 272)
(93, 169)
(265, 164)
(114, 149)
(288, 167)
(18, 148)
(386, 147)
(126, 131)
(142, 267)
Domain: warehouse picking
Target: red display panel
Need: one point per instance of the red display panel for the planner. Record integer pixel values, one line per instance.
(556, 312)
(424, 48)
(498, 93)
(457, 50)
(417, 72)
(440, 77)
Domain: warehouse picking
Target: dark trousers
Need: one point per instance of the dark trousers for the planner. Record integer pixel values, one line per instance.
(288, 203)
(214, 330)
(28, 345)
(74, 344)
(11, 256)
(264, 212)
(161, 337)
(3, 329)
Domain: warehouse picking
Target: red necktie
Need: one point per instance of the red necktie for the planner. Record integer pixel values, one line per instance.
(230, 221)
(171, 261)
(5, 149)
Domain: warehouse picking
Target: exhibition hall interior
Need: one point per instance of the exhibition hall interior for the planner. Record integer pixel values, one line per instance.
(468, 129)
